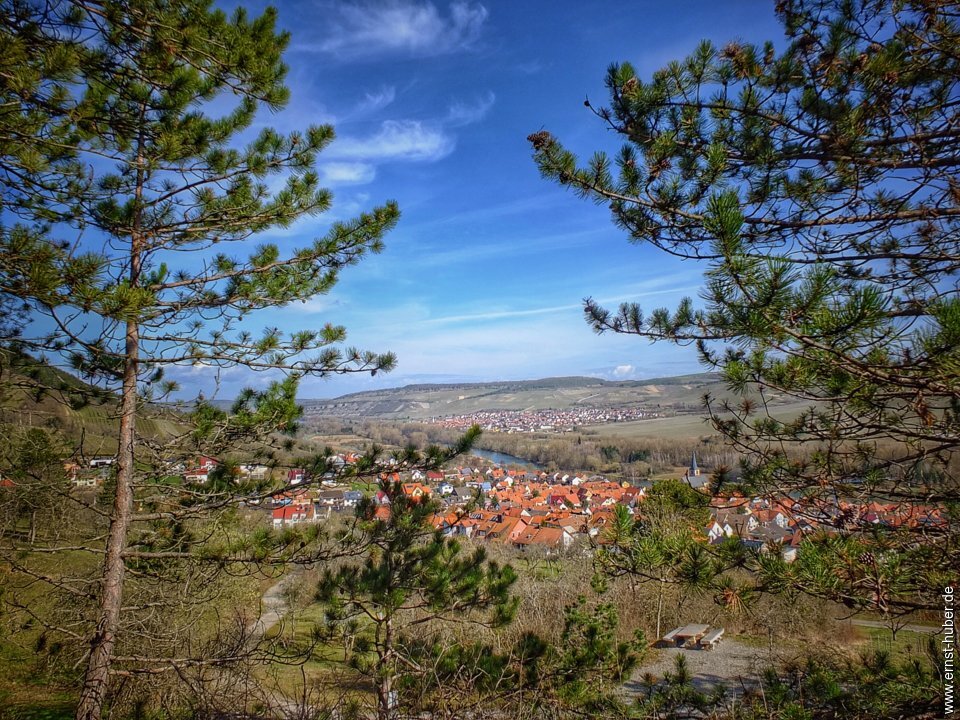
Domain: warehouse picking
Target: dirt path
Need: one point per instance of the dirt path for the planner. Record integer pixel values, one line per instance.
(273, 607)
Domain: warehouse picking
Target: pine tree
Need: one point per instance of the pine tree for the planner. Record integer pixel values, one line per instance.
(407, 574)
(817, 186)
(124, 157)
(659, 546)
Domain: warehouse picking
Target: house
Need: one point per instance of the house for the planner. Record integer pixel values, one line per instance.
(563, 499)
(352, 497)
(199, 471)
(296, 476)
(416, 490)
(255, 473)
(331, 499)
(772, 517)
(716, 532)
(549, 539)
(293, 514)
(633, 496)
(74, 477)
(789, 549)
(500, 528)
(291, 498)
(196, 476)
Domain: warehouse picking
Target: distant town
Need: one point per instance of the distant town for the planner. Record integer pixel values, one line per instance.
(548, 420)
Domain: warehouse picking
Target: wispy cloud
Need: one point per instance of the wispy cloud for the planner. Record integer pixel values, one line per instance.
(396, 140)
(374, 101)
(347, 173)
(652, 290)
(318, 304)
(531, 67)
(463, 113)
(518, 246)
(500, 315)
(365, 29)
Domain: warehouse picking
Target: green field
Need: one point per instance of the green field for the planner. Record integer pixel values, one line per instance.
(687, 425)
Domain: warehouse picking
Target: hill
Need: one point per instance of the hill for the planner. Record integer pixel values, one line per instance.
(35, 393)
(417, 402)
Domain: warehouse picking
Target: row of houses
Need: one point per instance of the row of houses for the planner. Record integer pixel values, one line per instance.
(781, 525)
(527, 508)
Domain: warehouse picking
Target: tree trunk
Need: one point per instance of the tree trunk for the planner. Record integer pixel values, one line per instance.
(386, 701)
(97, 675)
(660, 608)
(93, 692)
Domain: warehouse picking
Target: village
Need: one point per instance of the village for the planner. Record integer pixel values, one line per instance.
(556, 513)
(546, 420)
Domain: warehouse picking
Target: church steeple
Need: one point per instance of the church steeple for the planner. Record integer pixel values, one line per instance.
(694, 470)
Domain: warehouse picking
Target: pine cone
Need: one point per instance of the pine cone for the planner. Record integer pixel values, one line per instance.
(867, 558)
(540, 140)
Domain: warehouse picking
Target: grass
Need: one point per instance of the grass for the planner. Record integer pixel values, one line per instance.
(909, 644)
(325, 665)
(683, 426)
(28, 693)
(30, 688)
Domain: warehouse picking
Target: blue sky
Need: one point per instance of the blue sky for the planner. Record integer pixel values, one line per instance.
(432, 102)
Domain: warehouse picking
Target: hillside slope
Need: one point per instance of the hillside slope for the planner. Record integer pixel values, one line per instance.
(415, 402)
(36, 394)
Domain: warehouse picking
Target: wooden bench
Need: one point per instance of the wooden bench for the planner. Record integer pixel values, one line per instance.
(668, 639)
(710, 640)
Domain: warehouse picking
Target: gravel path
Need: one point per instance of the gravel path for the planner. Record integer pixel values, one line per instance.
(273, 607)
(730, 663)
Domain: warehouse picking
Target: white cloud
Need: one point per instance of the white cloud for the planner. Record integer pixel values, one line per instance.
(405, 26)
(396, 140)
(375, 101)
(624, 371)
(461, 113)
(317, 305)
(347, 173)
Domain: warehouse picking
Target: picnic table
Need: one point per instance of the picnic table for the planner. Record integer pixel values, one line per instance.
(709, 641)
(690, 634)
(671, 637)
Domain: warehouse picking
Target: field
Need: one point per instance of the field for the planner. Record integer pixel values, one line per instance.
(682, 426)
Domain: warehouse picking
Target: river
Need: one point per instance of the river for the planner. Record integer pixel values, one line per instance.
(499, 458)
